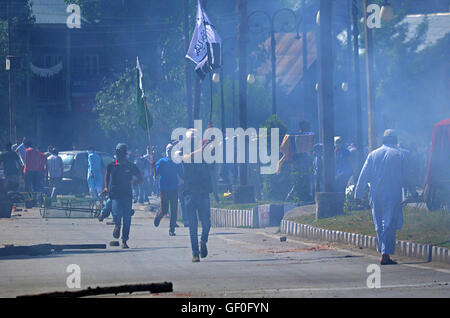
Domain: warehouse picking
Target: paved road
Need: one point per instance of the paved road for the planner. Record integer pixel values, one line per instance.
(241, 263)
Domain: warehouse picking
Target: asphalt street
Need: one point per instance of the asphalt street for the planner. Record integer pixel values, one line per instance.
(241, 262)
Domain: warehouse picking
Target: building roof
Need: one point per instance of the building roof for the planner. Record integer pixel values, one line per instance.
(438, 27)
(289, 59)
(49, 11)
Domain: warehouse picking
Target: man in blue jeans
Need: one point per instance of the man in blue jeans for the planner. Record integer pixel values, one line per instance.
(168, 173)
(197, 187)
(120, 175)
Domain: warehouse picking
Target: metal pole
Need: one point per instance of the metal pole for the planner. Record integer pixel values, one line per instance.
(12, 115)
(187, 70)
(222, 102)
(359, 143)
(242, 109)
(372, 131)
(274, 68)
(305, 63)
(326, 95)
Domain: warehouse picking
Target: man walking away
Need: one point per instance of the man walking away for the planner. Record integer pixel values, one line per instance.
(168, 173)
(55, 170)
(94, 177)
(144, 167)
(197, 187)
(384, 169)
(34, 168)
(118, 181)
(11, 167)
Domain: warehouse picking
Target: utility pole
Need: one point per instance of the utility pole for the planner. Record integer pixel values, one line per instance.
(326, 94)
(187, 70)
(305, 62)
(359, 142)
(12, 111)
(328, 203)
(368, 44)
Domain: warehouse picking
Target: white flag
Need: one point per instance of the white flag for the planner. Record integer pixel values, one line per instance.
(138, 67)
(204, 34)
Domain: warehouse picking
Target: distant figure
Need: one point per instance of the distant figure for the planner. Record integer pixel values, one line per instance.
(11, 167)
(168, 173)
(144, 167)
(385, 171)
(120, 176)
(94, 177)
(317, 168)
(55, 170)
(21, 150)
(344, 166)
(34, 168)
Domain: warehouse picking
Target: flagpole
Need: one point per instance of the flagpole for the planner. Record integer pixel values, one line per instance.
(152, 167)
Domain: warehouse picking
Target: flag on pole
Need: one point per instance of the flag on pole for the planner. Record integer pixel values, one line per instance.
(205, 49)
(143, 111)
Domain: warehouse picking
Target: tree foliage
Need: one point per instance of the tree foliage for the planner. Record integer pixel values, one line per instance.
(22, 22)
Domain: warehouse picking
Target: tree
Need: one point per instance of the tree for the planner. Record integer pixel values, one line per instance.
(22, 22)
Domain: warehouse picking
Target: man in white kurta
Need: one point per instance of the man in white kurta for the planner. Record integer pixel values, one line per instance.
(384, 170)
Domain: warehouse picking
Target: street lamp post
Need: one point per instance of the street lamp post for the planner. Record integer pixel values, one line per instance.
(243, 192)
(271, 19)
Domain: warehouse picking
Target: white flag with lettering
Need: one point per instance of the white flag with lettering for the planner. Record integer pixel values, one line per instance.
(206, 42)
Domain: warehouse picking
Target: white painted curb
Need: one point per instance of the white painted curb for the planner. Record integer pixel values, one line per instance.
(402, 248)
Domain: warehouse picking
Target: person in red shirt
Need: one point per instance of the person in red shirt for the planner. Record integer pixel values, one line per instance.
(34, 169)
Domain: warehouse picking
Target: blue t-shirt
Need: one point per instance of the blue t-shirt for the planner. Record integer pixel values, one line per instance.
(168, 172)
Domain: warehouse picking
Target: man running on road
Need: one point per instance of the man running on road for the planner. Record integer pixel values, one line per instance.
(120, 175)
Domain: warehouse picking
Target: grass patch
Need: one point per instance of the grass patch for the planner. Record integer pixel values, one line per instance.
(419, 226)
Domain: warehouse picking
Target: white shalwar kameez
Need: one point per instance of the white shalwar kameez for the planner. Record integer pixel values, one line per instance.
(384, 171)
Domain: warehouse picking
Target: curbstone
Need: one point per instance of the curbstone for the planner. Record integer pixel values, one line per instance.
(224, 218)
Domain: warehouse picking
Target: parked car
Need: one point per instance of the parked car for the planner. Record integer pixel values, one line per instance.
(75, 170)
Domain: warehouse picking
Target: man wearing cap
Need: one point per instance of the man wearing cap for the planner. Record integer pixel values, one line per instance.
(168, 173)
(384, 170)
(119, 177)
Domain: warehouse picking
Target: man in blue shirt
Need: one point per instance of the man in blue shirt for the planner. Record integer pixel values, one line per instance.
(94, 177)
(168, 172)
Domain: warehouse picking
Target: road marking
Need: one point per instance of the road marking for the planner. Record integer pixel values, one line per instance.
(441, 270)
(278, 290)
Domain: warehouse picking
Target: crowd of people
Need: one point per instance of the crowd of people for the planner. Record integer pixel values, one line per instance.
(38, 170)
(132, 177)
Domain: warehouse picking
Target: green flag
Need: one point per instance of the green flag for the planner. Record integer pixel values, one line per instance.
(142, 108)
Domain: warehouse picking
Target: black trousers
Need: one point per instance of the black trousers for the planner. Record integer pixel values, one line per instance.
(170, 197)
